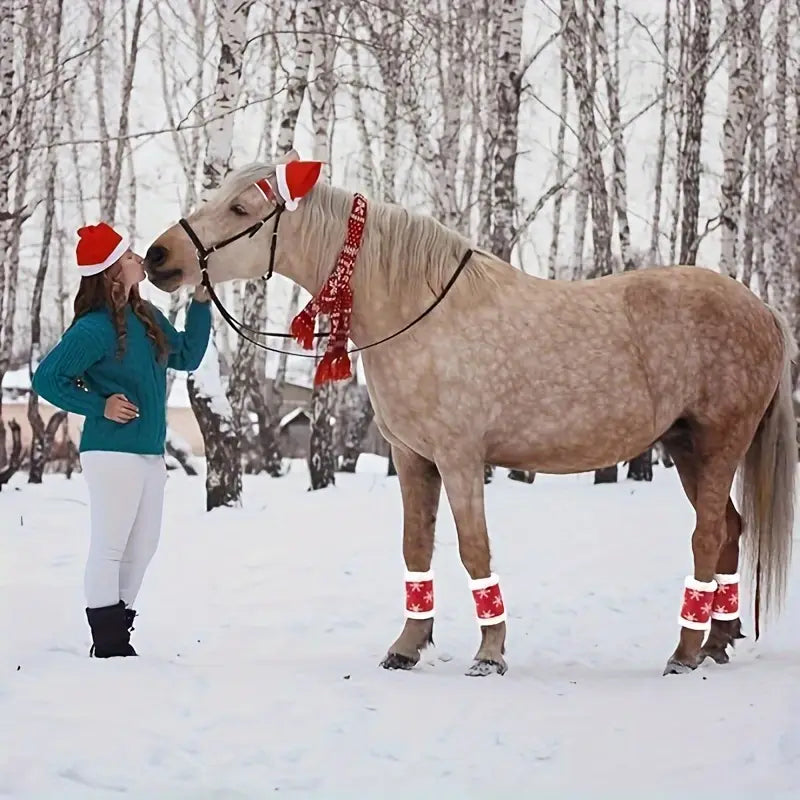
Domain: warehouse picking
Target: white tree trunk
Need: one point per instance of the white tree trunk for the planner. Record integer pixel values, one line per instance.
(552, 260)
(298, 78)
(695, 110)
(734, 133)
(509, 87)
(42, 436)
(655, 228)
(206, 394)
(611, 76)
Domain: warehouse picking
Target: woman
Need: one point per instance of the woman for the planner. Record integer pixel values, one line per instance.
(119, 347)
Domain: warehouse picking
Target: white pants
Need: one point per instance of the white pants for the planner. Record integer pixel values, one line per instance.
(126, 497)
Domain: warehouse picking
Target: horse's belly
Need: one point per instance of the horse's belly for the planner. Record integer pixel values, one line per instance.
(581, 438)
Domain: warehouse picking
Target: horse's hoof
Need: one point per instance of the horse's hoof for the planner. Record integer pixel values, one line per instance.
(675, 667)
(398, 661)
(715, 654)
(486, 666)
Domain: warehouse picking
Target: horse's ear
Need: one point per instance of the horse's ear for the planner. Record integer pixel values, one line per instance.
(295, 180)
(292, 155)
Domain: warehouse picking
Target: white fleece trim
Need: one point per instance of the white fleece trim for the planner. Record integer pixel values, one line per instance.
(94, 269)
(283, 187)
(483, 583)
(260, 188)
(694, 624)
(416, 577)
(724, 580)
(419, 614)
(483, 621)
(699, 586)
(724, 615)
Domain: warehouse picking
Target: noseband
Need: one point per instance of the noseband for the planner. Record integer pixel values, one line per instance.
(243, 330)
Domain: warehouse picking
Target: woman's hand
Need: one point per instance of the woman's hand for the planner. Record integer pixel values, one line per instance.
(201, 294)
(120, 409)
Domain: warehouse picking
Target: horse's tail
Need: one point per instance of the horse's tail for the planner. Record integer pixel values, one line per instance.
(767, 489)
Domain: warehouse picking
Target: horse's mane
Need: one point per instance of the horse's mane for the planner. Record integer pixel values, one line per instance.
(407, 251)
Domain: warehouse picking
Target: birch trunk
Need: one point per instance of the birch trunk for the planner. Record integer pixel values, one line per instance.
(295, 91)
(321, 456)
(611, 76)
(206, 395)
(509, 88)
(552, 260)
(42, 437)
(778, 267)
(734, 131)
(695, 109)
(655, 228)
(752, 244)
(679, 102)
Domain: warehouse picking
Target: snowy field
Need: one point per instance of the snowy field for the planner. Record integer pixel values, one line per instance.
(261, 629)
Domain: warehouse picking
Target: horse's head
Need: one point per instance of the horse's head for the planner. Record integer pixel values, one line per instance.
(236, 206)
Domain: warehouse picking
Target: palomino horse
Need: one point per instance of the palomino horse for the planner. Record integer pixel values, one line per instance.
(527, 373)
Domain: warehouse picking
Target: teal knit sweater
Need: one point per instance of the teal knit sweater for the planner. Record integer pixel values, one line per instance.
(88, 350)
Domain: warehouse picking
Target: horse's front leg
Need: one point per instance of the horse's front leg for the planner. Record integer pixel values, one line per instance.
(464, 485)
(420, 487)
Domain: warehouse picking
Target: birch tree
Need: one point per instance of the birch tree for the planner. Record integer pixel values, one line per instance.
(18, 129)
(321, 456)
(695, 109)
(552, 258)
(208, 400)
(655, 226)
(7, 269)
(740, 55)
(505, 156)
(296, 86)
(112, 149)
(43, 436)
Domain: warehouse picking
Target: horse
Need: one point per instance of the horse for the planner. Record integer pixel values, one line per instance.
(528, 373)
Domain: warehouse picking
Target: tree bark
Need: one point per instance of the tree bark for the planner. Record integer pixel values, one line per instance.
(206, 395)
(42, 437)
(695, 109)
(357, 414)
(655, 229)
(12, 465)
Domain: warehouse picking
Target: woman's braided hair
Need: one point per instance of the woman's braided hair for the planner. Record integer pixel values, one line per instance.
(106, 291)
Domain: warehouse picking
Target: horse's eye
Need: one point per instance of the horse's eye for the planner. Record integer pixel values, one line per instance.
(239, 210)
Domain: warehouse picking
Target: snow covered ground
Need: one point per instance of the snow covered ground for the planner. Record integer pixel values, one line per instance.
(261, 629)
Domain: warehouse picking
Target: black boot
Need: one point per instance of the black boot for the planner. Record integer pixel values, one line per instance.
(110, 634)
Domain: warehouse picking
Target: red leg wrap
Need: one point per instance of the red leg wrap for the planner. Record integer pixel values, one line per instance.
(698, 599)
(726, 598)
(419, 595)
(489, 606)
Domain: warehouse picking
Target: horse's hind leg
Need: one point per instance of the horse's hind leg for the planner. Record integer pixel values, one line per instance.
(726, 626)
(723, 631)
(420, 487)
(463, 482)
(709, 472)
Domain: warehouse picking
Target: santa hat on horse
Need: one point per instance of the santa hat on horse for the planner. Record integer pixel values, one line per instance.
(295, 180)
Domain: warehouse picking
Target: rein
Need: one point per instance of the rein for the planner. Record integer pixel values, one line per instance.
(243, 330)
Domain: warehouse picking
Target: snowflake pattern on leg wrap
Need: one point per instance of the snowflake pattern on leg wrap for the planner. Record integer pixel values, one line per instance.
(726, 597)
(419, 594)
(698, 599)
(489, 606)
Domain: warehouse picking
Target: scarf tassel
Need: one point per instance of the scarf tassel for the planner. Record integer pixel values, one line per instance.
(335, 366)
(302, 328)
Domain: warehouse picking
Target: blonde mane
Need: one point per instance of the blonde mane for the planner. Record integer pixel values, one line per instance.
(406, 252)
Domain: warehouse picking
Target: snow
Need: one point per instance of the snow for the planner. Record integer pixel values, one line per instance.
(261, 629)
(292, 415)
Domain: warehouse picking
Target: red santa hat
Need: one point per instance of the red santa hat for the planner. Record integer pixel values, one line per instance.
(295, 180)
(99, 246)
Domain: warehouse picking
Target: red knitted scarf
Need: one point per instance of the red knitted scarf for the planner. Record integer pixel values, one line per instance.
(335, 298)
